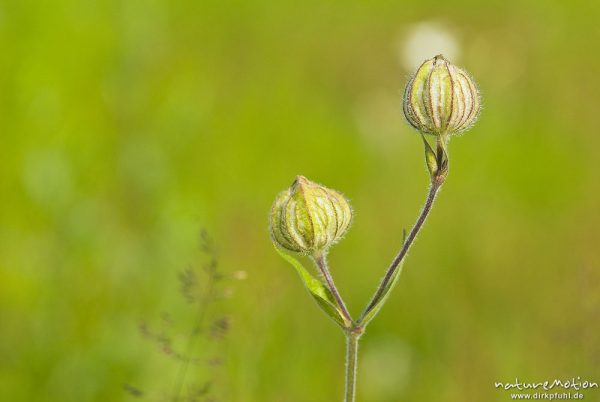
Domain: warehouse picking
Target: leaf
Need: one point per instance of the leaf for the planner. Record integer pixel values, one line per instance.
(318, 291)
(430, 158)
(376, 305)
(442, 156)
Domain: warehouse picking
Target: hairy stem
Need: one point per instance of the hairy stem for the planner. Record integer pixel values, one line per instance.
(321, 261)
(352, 338)
(389, 275)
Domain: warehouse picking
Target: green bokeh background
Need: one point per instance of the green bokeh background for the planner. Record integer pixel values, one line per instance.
(126, 127)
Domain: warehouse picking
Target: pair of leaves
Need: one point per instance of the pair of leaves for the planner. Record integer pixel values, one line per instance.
(320, 293)
(437, 161)
(324, 298)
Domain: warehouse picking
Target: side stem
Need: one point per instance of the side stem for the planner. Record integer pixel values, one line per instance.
(352, 338)
(321, 261)
(433, 189)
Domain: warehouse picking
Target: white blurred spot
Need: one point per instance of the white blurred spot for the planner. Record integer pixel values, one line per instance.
(423, 41)
(240, 275)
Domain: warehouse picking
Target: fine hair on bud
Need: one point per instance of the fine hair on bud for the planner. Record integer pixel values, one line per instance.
(441, 99)
(309, 218)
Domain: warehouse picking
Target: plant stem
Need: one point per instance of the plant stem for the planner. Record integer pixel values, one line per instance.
(352, 338)
(436, 183)
(321, 261)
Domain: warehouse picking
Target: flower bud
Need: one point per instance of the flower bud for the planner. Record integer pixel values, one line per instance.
(308, 218)
(441, 98)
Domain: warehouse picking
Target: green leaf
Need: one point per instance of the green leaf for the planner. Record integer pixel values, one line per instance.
(380, 301)
(318, 291)
(430, 158)
(442, 156)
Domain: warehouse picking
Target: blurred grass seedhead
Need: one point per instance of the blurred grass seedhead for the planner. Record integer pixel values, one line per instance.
(201, 288)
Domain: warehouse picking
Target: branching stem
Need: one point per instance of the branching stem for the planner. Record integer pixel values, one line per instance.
(355, 329)
(436, 183)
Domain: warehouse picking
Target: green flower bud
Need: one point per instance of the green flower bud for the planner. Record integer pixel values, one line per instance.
(441, 98)
(308, 218)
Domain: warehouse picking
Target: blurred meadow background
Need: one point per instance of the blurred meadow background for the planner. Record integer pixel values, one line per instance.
(128, 127)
